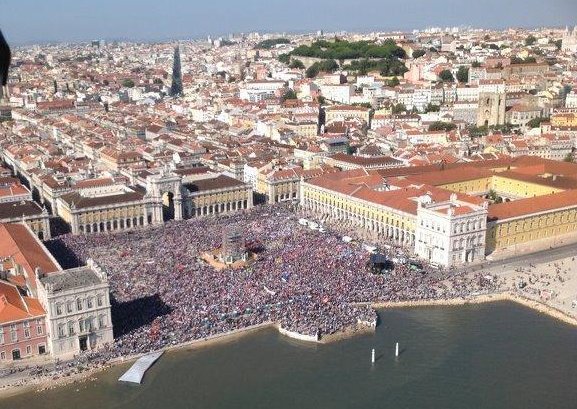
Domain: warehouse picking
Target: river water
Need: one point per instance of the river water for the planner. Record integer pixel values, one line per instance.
(497, 355)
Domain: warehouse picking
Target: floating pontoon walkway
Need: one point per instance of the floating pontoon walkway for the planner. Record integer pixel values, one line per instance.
(137, 370)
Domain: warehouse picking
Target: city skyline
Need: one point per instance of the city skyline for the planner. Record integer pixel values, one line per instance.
(66, 21)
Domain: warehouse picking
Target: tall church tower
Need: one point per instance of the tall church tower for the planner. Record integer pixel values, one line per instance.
(491, 109)
(176, 86)
(569, 41)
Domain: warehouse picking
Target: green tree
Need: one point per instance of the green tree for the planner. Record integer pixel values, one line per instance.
(270, 43)
(442, 126)
(297, 64)
(321, 66)
(494, 197)
(476, 131)
(290, 94)
(530, 40)
(476, 64)
(398, 108)
(284, 58)
(568, 157)
(558, 43)
(463, 74)
(418, 53)
(128, 83)
(312, 71)
(535, 122)
(432, 108)
(446, 76)
(393, 82)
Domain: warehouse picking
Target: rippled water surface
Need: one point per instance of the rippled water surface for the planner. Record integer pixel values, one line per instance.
(486, 356)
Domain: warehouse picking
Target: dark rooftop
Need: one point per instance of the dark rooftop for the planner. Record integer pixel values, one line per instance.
(70, 279)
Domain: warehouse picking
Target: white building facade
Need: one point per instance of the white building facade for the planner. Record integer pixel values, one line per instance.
(77, 304)
(450, 233)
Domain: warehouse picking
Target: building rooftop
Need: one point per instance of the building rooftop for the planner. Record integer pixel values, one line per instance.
(518, 208)
(80, 201)
(219, 182)
(15, 307)
(71, 279)
(17, 241)
(12, 210)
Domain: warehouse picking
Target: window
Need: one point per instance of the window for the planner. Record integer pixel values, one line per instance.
(28, 349)
(39, 330)
(26, 332)
(41, 349)
(69, 307)
(89, 302)
(79, 304)
(2, 355)
(81, 325)
(13, 333)
(58, 309)
(71, 329)
(1, 336)
(61, 333)
(101, 321)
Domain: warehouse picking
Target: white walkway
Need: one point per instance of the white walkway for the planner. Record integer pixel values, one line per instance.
(137, 370)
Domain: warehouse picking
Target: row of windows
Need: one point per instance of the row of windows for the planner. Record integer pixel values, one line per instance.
(469, 242)
(349, 207)
(13, 332)
(80, 304)
(470, 225)
(82, 325)
(17, 355)
(534, 223)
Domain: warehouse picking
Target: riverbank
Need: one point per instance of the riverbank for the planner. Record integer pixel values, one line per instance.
(39, 384)
(44, 383)
(535, 305)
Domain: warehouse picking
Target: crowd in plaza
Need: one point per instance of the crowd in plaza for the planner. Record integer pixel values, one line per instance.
(307, 281)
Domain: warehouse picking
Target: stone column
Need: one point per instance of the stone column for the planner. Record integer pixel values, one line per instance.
(74, 227)
(177, 209)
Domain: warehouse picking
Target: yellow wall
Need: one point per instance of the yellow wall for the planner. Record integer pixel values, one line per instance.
(564, 120)
(469, 186)
(384, 215)
(519, 188)
(104, 215)
(507, 233)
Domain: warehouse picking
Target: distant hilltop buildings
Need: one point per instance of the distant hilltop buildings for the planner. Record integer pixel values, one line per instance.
(569, 42)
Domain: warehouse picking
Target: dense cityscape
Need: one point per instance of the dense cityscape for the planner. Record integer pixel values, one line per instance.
(154, 195)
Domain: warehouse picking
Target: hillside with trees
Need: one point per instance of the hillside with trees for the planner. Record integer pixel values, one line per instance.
(345, 50)
(271, 43)
(365, 55)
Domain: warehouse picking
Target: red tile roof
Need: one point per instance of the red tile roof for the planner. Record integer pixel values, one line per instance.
(18, 242)
(15, 307)
(517, 208)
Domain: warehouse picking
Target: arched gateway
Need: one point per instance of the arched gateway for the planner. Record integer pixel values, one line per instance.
(164, 193)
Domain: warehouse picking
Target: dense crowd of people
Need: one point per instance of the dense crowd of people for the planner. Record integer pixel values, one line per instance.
(307, 281)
